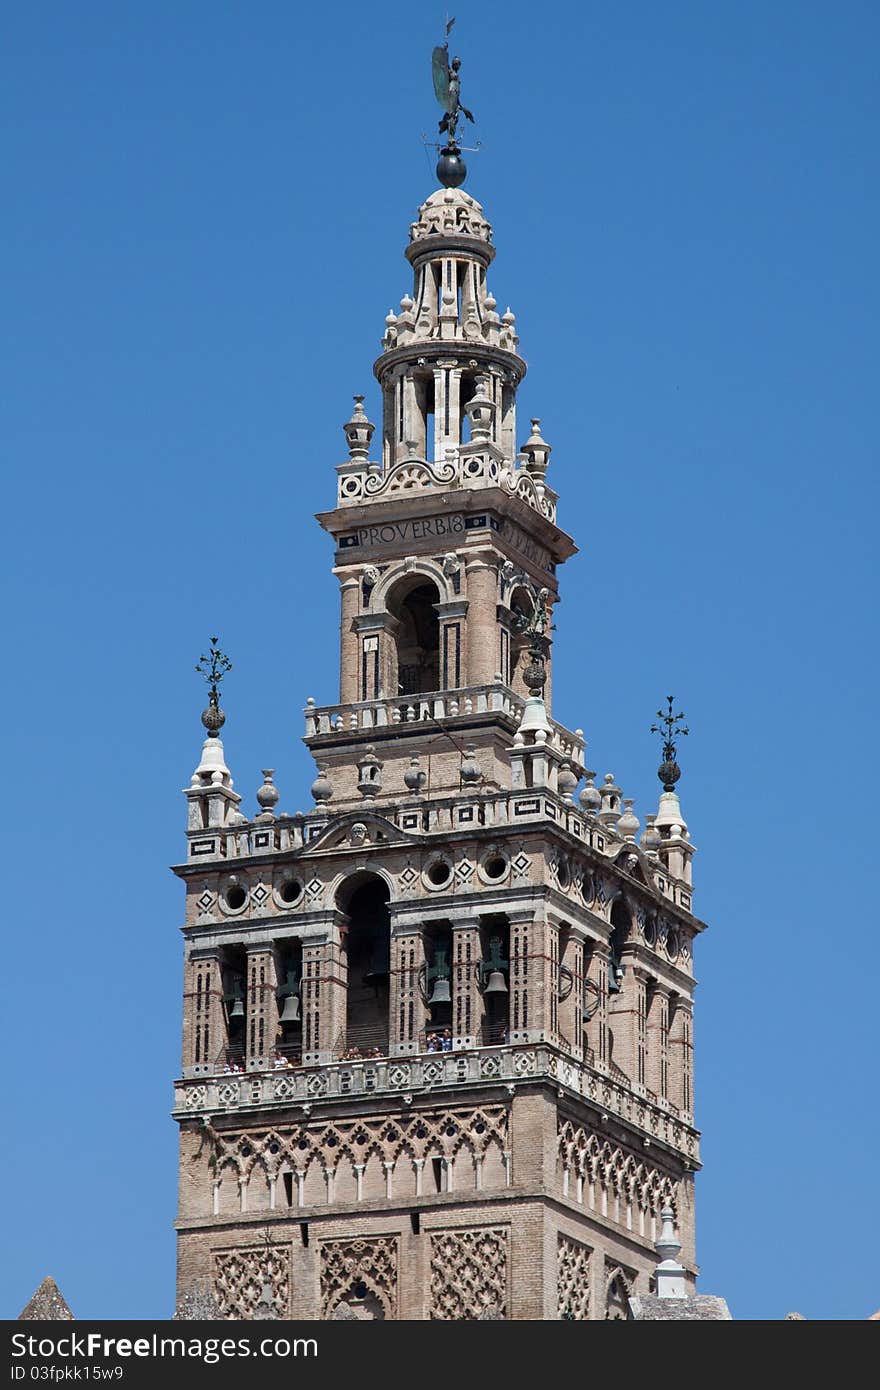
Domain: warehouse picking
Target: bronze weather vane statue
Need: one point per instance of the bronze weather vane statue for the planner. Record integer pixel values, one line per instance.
(446, 76)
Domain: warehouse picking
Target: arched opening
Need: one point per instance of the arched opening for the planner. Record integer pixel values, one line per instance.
(495, 982)
(233, 971)
(437, 937)
(288, 1039)
(522, 606)
(364, 899)
(413, 604)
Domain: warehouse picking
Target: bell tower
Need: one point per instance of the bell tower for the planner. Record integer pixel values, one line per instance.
(437, 1047)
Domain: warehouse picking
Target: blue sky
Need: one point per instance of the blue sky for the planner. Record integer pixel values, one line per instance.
(206, 209)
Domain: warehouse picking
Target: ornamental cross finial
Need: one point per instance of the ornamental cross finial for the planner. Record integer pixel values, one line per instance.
(670, 728)
(534, 626)
(213, 667)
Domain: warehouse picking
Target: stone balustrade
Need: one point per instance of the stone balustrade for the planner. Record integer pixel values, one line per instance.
(445, 706)
(408, 1077)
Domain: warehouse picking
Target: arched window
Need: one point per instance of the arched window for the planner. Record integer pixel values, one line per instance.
(413, 604)
(368, 952)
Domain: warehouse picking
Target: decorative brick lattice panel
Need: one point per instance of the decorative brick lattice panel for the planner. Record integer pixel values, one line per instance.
(469, 1273)
(572, 1279)
(239, 1276)
(362, 1272)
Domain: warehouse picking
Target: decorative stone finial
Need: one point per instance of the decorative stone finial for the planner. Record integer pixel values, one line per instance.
(536, 451)
(322, 787)
(590, 798)
(267, 794)
(610, 799)
(213, 667)
(534, 720)
(669, 1274)
(670, 728)
(369, 774)
(359, 431)
(567, 779)
(651, 838)
(480, 410)
(415, 777)
(470, 771)
(628, 826)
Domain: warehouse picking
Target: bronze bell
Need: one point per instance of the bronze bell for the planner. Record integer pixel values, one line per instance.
(290, 1013)
(440, 993)
(496, 984)
(237, 1010)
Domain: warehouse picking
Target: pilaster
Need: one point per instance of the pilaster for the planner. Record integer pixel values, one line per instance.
(262, 1007)
(467, 1002)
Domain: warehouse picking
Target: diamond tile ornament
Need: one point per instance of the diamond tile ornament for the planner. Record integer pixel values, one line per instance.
(408, 876)
(314, 887)
(259, 894)
(464, 870)
(520, 865)
(205, 902)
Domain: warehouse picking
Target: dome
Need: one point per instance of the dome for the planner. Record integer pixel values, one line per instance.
(451, 212)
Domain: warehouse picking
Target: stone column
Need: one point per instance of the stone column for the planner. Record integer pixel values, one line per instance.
(483, 656)
(467, 1001)
(408, 1014)
(349, 640)
(204, 1021)
(323, 997)
(526, 983)
(262, 1007)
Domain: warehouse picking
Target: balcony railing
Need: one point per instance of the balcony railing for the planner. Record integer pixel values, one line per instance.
(410, 1076)
(445, 705)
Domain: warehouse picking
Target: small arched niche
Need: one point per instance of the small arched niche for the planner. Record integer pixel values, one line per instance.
(364, 900)
(413, 602)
